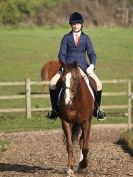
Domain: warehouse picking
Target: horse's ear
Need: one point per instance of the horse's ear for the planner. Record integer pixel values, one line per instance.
(75, 64)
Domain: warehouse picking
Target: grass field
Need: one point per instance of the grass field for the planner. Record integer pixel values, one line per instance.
(23, 51)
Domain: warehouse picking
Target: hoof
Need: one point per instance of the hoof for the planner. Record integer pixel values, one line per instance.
(79, 169)
(72, 175)
(69, 172)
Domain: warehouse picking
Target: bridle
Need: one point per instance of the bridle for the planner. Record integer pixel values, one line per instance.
(74, 90)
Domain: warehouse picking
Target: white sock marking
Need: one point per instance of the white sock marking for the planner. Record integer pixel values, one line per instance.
(80, 155)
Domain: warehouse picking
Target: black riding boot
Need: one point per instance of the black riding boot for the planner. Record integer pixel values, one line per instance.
(54, 99)
(98, 112)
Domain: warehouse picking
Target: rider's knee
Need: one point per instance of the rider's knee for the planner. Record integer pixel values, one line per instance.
(54, 81)
(99, 85)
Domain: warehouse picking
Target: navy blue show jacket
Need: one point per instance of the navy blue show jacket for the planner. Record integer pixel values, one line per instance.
(69, 52)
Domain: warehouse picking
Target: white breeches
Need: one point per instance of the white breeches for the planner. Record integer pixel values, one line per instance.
(56, 77)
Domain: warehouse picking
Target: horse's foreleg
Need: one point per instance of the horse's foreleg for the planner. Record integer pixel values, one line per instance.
(84, 144)
(81, 147)
(69, 146)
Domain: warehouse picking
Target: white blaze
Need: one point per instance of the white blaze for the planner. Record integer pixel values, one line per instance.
(68, 94)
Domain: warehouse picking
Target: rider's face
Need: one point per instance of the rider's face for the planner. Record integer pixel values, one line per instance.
(76, 27)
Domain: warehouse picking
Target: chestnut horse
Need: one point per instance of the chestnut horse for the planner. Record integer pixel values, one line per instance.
(76, 105)
(48, 70)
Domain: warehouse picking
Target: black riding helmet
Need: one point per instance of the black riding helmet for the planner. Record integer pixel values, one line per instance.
(76, 17)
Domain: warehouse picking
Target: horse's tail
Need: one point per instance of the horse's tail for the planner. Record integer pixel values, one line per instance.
(76, 130)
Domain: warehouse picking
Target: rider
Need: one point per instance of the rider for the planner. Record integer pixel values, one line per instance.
(70, 51)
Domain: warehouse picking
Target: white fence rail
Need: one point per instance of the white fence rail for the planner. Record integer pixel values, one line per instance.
(28, 96)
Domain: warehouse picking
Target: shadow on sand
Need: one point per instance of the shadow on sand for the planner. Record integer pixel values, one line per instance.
(4, 167)
(125, 147)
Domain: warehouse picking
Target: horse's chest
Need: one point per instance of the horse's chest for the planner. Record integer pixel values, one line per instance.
(72, 116)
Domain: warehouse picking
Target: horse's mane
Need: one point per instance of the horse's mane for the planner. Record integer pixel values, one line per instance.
(69, 67)
(72, 65)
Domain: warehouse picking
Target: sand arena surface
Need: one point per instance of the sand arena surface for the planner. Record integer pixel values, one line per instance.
(43, 154)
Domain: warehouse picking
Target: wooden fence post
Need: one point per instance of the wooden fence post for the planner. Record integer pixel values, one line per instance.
(132, 101)
(129, 104)
(125, 13)
(28, 97)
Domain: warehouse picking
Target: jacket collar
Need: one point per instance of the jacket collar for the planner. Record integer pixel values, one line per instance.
(71, 32)
(79, 33)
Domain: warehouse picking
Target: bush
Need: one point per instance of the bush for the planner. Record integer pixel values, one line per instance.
(9, 13)
(15, 11)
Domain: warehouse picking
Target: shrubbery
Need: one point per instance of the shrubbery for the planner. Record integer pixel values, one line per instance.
(16, 11)
(44, 12)
(9, 13)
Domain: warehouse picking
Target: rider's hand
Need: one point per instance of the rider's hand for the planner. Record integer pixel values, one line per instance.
(90, 69)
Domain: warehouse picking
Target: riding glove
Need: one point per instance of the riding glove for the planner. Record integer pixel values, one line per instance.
(90, 69)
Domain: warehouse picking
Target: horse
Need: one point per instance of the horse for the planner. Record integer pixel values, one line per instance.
(48, 70)
(76, 106)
